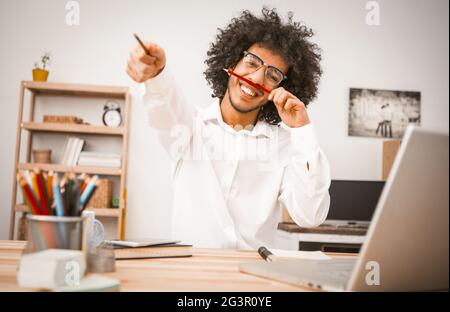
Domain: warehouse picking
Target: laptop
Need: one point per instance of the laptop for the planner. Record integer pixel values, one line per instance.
(407, 242)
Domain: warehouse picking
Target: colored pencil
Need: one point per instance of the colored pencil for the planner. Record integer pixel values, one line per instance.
(142, 44)
(84, 184)
(63, 180)
(90, 189)
(57, 196)
(34, 185)
(33, 205)
(76, 198)
(68, 195)
(50, 186)
(25, 197)
(42, 189)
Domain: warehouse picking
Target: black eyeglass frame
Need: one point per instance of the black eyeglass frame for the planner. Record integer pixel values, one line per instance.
(284, 77)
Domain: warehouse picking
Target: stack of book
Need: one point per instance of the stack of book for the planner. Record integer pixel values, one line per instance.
(94, 159)
(72, 151)
(150, 248)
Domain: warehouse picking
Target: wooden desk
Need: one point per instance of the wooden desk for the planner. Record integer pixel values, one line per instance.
(207, 270)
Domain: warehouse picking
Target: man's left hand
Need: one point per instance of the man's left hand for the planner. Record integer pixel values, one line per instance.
(291, 110)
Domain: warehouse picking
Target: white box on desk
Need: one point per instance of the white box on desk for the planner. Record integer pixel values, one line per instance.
(51, 268)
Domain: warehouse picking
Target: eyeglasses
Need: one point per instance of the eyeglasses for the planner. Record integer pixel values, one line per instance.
(273, 75)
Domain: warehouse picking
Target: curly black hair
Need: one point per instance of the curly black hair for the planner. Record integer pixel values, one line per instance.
(289, 40)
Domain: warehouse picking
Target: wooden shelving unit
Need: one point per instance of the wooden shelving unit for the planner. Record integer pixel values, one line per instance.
(32, 128)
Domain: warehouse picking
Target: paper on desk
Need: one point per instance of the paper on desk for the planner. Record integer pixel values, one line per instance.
(299, 254)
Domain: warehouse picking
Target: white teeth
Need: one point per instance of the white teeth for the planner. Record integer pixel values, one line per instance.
(247, 90)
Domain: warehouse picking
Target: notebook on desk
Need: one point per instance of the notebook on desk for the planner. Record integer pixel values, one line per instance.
(142, 242)
(172, 251)
(150, 248)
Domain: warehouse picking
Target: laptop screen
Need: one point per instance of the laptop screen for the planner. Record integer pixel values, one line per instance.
(354, 200)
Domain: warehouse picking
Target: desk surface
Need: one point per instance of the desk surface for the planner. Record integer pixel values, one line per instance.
(207, 270)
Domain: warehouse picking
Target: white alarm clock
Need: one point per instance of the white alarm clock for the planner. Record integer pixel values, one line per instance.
(111, 114)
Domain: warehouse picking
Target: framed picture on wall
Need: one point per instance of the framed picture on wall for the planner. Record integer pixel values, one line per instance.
(382, 113)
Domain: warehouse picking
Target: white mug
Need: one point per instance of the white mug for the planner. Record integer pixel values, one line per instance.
(95, 230)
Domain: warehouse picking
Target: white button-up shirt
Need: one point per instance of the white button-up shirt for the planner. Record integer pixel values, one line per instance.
(230, 186)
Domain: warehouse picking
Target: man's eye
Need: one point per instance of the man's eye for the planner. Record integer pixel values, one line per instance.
(272, 78)
(252, 64)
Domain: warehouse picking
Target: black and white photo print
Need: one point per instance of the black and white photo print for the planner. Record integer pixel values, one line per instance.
(382, 113)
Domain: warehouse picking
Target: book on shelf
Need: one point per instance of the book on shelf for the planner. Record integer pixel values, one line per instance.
(65, 151)
(96, 159)
(72, 151)
(78, 146)
(64, 156)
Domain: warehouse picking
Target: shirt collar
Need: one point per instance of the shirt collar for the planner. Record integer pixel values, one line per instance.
(213, 112)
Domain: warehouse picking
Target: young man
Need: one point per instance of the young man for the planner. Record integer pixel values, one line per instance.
(248, 154)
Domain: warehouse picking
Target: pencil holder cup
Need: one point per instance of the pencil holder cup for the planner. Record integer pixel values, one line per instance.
(52, 232)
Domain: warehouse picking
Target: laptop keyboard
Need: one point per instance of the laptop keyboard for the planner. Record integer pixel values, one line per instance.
(335, 272)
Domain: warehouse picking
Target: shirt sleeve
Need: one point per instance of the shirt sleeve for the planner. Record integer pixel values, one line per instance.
(304, 189)
(168, 112)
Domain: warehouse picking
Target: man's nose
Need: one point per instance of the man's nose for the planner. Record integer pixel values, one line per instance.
(258, 76)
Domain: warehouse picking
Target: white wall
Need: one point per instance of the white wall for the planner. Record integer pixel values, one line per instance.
(408, 51)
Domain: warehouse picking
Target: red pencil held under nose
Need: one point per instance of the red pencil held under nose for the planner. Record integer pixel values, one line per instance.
(257, 86)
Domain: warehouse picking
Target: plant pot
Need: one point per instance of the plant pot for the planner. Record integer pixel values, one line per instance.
(40, 74)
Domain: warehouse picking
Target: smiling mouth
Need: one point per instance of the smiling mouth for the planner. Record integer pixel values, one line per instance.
(247, 91)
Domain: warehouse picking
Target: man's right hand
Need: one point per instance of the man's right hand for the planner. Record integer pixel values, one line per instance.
(141, 66)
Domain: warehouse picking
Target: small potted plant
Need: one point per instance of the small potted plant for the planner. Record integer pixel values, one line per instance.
(39, 72)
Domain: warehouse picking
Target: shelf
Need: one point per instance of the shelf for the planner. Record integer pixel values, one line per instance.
(105, 212)
(54, 88)
(75, 169)
(71, 128)
(99, 212)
